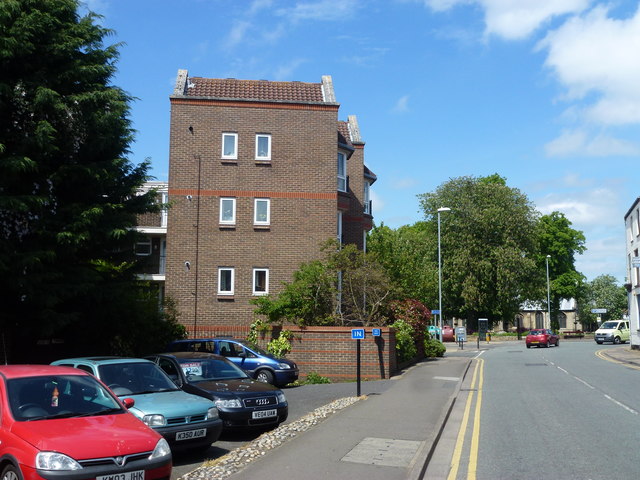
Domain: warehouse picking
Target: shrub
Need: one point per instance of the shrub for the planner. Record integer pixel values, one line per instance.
(433, 348)
(405, 343)
(313, 378)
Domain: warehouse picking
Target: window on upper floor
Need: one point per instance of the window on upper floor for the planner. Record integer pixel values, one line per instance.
(263, 146)
(342, 172)
(260, 281)
(143, 247)
(226, 280)
(262, 214)
(637, 222)
(228, 211)
(367, 198)
(339, 227)
(230, 146)
(164, 199)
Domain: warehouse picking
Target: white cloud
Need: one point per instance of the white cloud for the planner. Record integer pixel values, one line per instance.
(237, 33)
(584, 208)
(377, 201)
(404, 183)
(597, 54)
(515, 19)
(579, 142)
(327, 10)
(285, 72)
(258, 5)
(402, 105)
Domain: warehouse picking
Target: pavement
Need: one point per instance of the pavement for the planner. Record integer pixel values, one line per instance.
(388, 435)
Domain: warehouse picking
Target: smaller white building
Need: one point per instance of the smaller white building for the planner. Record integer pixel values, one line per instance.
(632, 229)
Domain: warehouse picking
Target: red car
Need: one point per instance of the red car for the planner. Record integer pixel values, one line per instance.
(61, 422)
(542, 337)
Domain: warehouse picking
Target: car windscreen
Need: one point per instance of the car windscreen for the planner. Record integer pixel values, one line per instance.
(135, 378)
(536, 332)
(59, 396)
(203, 370)
(609, 325)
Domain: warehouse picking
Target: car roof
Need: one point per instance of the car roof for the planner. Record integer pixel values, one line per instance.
(208, 339)
(194, 355)
(103, 360)
(19, 371)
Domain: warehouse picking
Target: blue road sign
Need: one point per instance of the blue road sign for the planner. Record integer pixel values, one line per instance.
(376, 332)
(357, 334)
(435, 312)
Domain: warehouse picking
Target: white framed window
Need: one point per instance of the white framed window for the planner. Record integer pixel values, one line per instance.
(342, 172)
(261, 209)
(230, 146)
(228, 211)
(367, 198)
(143, 247)
(226, 278)
(339, 227)
(260, 281)
(164, 199)
(263, 146)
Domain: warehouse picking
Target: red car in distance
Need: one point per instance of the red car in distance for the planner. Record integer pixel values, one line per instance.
(61, 422)
(542, 337)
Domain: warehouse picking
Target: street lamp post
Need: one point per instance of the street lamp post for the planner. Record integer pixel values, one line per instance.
(441, 209)
(548, 293)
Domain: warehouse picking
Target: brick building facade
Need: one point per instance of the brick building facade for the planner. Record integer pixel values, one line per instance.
(255, 189)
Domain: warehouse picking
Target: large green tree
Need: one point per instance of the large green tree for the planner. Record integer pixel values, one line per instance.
(409, 256)
(559, 245)
(603, 292)
(67, 190)
(489, 246)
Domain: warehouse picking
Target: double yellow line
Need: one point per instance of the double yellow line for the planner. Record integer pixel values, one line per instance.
(478, 375)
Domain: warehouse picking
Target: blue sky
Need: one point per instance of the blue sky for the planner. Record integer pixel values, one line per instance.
(545, 93)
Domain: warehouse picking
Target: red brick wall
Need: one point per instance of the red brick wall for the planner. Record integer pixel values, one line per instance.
(300, 180)
(330, 351)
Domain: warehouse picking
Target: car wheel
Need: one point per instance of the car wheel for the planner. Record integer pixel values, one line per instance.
(548, 344)
(11, 472)
(265, 376)
(616, 340)
(528, 346)
(599, 343)
(558, 343)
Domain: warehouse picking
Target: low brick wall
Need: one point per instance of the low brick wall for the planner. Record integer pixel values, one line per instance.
(328, 351)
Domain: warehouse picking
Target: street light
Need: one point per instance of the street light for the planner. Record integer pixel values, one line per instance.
(548, 294)
(441, 209)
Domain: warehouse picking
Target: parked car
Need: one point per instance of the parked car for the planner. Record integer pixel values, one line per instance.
(59, 422)
(241, 400)
(186, 421)
(260, 364)
(542, 337)
(616, 331)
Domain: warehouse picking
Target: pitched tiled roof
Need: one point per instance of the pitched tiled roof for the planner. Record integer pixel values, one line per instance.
(344, 137)
(254, 90)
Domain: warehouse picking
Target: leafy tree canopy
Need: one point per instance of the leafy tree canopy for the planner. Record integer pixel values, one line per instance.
(604, 292)
(489, 246)
(67, 191)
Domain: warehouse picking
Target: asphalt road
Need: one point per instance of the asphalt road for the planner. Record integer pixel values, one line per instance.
(302, 400)
(552, 413)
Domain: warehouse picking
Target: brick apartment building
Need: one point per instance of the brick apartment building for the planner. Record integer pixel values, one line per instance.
(261, 174)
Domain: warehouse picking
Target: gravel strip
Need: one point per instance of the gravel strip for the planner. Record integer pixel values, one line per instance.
(234, 461)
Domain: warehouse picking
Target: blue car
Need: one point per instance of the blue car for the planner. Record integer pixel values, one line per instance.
(184, 420)
(260, 364)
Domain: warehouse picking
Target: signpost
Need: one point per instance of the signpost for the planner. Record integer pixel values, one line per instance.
(461, 336)
(357, 334)
(599, 311)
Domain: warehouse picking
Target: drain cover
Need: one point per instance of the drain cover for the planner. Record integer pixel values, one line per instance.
(383, 451)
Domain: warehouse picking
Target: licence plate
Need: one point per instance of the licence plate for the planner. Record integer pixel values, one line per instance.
(188, 435)
(264, 414)
(534, 342)
(136, 475)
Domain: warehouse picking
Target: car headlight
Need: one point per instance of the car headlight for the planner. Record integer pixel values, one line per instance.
(162, 449)
(281, 397)
(284, 366)
(212, 413)
(155, 420)
(228, 403)
(55, 461)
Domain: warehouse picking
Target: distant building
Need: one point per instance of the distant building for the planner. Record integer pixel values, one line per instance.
(261, 174)
(632, 228)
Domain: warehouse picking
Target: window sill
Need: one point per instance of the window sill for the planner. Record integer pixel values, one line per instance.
(262, 227)
(226, 298)
(264, 163)
(227, 227)
(229, 161)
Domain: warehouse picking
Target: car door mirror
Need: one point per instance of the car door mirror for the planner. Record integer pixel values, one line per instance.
(128, 402)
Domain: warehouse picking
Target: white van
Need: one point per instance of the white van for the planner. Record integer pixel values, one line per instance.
(616, 331)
